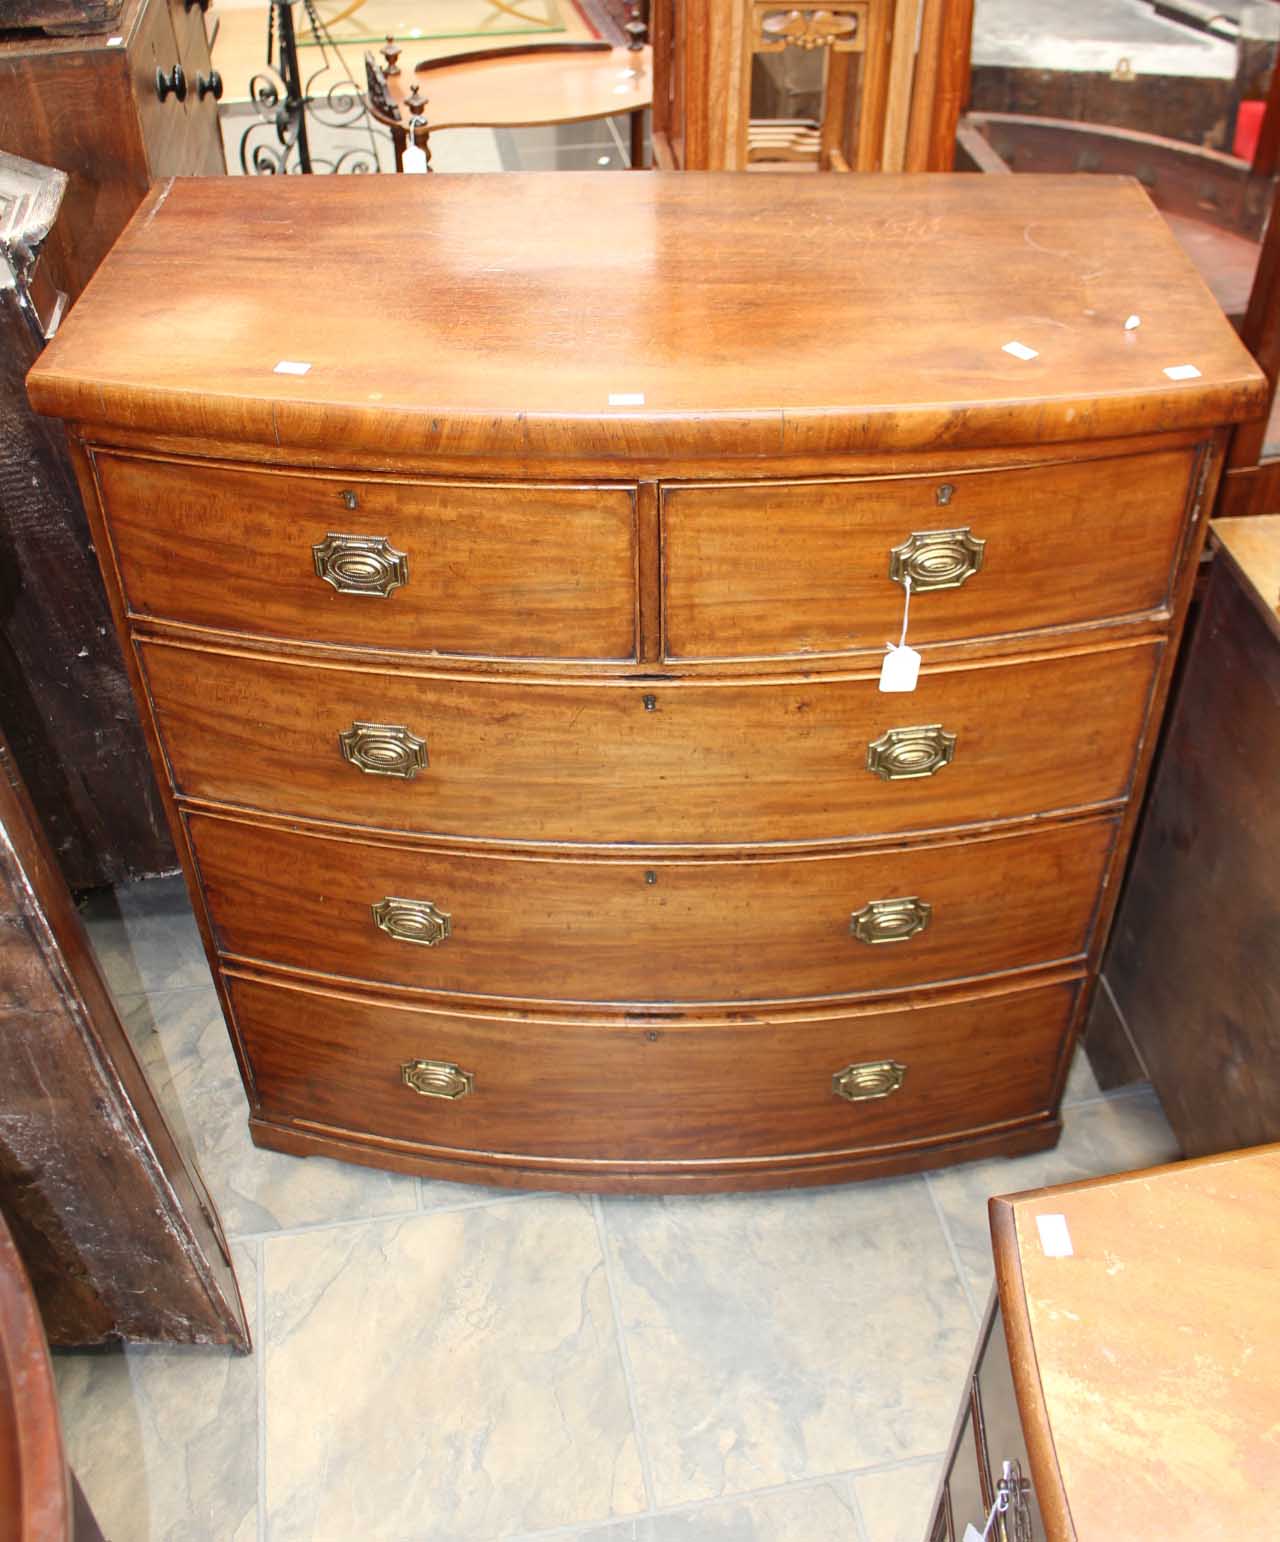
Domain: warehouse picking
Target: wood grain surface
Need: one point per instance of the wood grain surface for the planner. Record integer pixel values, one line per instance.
(776, 568)
(497, 570)
(652, 1090)
(710, 764)
(666, 288)
(552, 928)
(1152, 1350)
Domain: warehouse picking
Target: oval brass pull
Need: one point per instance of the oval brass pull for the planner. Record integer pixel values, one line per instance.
(360, 564)
(902, 753)
(409, 920)
(383, 749)
(890, 920)
(437, 1079)
(936, 559)
(871, 1079)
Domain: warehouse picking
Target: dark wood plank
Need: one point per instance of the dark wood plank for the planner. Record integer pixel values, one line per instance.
(65, 703)
(1195, 958)
(117, 1231)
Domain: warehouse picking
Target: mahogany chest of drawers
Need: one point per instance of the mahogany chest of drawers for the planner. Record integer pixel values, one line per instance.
(506, 566)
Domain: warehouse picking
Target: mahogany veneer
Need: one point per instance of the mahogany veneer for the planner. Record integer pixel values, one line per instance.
(652, 902)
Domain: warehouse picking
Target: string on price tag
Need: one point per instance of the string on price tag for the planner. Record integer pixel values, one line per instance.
(901, 666)
(971, 1532)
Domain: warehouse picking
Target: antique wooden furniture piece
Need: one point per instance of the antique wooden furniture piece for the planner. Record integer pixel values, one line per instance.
(117, 1232)
(513, 88)
(65, 704)
(1128, 1370)
(1194, 962)
(511, 647)
(40, 1497)
(744, 85)
(115, 110)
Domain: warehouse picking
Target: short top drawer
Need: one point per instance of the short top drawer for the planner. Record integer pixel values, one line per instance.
(505, 571)
(760, 569)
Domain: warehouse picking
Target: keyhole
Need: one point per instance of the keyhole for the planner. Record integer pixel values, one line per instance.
(350, 500)
(651, 877)
(944, 493)
(650, 703)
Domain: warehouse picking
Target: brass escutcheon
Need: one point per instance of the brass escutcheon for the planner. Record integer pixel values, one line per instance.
(360, 564)
(900, 754)
(871, 1079)
(890, 920)
(410, 920)
(383, 749)
(936, 559)
(437, 1079)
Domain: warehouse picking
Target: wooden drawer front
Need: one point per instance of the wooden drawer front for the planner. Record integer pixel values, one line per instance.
(607, 931)
(656, 1090)
(510, 571)
(789, 568)
(706, 763)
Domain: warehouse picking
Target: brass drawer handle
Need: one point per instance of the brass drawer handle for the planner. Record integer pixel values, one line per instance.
(936, 559)
(890, 920)
(901, 753)
(437, 1079)
(409, 920)
(383, 749)
(361, 564)
(871, 1079)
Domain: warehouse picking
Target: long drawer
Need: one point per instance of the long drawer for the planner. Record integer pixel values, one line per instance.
(651, 762)
(773, 568)
(568, 929)
(513, 571)
(653, 1091)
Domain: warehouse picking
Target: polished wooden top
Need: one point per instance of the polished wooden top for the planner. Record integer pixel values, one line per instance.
(538, 85)
(634, 316)
(1253, 545)
(1147, 1362)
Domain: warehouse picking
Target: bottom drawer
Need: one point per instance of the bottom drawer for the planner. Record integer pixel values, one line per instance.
(653, 1091)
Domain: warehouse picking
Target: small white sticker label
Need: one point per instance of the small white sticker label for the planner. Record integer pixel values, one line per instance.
(1020, 351)
(115, 42)
(900, 669)
(1182, 372)
(1055, 1239)
(414, 160)
(1133, 323)
(626, 398)
(290, 367)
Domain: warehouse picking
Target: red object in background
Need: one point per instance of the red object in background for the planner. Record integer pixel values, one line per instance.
(1248, 127)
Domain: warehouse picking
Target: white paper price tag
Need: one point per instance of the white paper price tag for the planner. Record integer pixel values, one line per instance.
(900, 669)
(972, 1534)
(414, 159)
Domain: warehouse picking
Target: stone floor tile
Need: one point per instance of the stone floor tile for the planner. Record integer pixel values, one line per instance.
(1113, 1136)
(182, 1041)
(818, 1512)
(448, 1378)
(165, 1440)
(896, 1505)
(146, 937)
(1082, 1085)
(782, 1336)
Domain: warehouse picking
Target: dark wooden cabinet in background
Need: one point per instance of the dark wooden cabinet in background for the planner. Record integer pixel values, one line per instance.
(88, 106)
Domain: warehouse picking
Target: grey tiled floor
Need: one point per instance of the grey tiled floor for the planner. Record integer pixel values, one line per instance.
(448, 1364)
